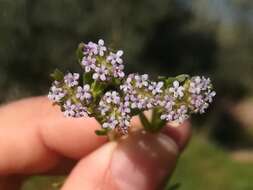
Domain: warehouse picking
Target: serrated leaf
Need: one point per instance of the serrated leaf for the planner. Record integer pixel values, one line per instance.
(57, 75)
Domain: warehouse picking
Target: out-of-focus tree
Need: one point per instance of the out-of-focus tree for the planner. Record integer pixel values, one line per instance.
(232, 22)
(37, 36)
(234, 26)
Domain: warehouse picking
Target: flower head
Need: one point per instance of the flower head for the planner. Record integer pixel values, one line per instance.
(118, 71)
(83, 93)
(141, 92)
(74, 110)
(115, 112)
(71, 79)
(177, 90)
(181, 114)
(114, 58)
(101, 48)
(104, 65)
(88, 63)
(201, 94)
(56, 93)
(100, 73)
(90, 49)
(156, 87)
(178, 102)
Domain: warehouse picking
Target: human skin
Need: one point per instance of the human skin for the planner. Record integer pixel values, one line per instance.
(35, 138)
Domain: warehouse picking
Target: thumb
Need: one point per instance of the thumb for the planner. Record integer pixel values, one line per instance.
(140, 162)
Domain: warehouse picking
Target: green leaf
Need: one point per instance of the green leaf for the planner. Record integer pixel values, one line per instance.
(87, 78)
(57, 75)
(97, 89)
(79, 52)
(182, 78)
(102, 132)
(163, 78)
(116, 82)
(169, 81)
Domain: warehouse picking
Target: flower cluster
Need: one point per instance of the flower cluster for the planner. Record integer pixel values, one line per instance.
(74, 109)
(56, 93)
(83, 93)
(172, 103)
(71, 79)
(96, 93)
(115, 112)
(140, 92)
(201, 94)
(179, 101)
(104, 65)
(72, 98)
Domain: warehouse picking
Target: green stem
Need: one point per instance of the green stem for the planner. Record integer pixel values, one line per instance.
(155, 125)
(156, 122)
(113, 135)
(145, 122)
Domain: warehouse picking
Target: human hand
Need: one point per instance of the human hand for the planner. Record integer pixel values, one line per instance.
(36, 139)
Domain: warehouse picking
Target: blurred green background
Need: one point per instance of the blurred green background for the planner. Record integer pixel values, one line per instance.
(159, 37)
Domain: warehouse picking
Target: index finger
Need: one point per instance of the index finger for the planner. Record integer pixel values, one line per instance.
(34, 136)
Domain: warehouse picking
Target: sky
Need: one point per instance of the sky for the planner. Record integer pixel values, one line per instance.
(225, 11)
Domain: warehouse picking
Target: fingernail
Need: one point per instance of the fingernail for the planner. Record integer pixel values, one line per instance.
(180, 134)
(143, 161)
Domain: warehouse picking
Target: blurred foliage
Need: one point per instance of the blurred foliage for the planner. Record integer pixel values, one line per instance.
(207, 166)
(165, 37)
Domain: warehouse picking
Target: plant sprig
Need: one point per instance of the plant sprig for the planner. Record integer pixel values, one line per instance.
(105, 92)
